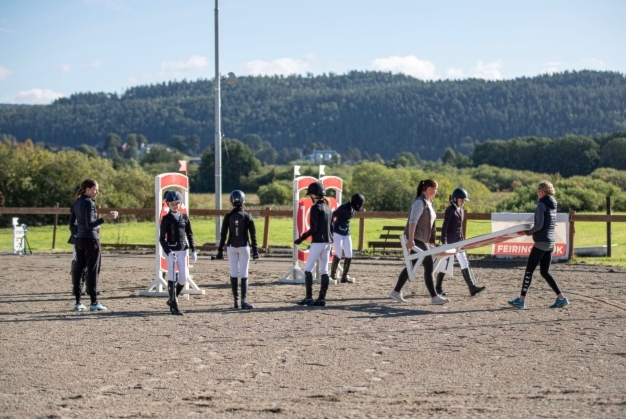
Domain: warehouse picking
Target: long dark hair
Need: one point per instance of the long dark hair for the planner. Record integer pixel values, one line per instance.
(425, 184)
(86, 184)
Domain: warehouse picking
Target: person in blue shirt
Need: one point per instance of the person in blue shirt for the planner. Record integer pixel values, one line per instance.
(342, 241)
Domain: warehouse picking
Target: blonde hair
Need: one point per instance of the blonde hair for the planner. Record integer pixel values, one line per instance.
(547, 187)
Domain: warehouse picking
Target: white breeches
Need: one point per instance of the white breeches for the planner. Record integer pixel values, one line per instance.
(462, 258)
(321, 252)
(179, 261)
(239, 261)
(342, 245)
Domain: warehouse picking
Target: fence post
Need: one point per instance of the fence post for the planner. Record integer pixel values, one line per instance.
(361, 233)
(608, 227)
(266, 229)
(54, 229)
(572, 229)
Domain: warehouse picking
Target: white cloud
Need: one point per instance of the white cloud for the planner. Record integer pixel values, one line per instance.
(490, 71)
(37, 96)
(454, 73)
(65, 68)
(195, 62)
(4, 73)
(409, 65)
(594, 63)
(93, 65)
(280, 66)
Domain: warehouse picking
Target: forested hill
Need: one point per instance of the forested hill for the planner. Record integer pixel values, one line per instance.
(371, 111)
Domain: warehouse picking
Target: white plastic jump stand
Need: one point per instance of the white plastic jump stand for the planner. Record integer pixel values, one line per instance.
(158, 286)
(18, 238)
(451, 249)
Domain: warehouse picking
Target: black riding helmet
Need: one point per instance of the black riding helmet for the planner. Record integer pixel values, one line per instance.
(459, 193)
(237, 198)
(173, 196)
(357, 201)
(316, 188)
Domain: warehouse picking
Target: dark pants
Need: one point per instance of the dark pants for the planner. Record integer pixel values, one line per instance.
(87, 255)
(429, 277)
(543, 259)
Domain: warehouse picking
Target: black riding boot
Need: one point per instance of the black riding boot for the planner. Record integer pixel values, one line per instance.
(244, 291)
(471, 284)
(173, 301)
(334, 266)
(439, 284)
(308, 283)
(234, 285)
(321, 299)
(346, 268)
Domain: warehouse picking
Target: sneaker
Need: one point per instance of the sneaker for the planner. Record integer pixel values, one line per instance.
(395, 295)
(560, 302)
(517, 303)
(319, 303)
(347, 280)
(438, 300)
(306, 302)
(79, 307)
(97, 307)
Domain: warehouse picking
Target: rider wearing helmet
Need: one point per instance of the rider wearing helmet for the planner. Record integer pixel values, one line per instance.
(452, 232)
(342, 241)
(321, 233)
(176, 239)
(239, 226)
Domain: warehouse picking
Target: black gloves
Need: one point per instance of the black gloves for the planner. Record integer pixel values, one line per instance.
(255, 254)
(298, 241)
(220, 254)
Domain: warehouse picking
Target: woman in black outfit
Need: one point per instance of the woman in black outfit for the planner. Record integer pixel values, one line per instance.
(88, 243)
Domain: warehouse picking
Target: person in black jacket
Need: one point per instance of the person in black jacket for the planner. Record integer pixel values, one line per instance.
(541, 253)
(452, 232)
(239, 226)
(342, 241)
(88, 243)
(72, 240)
(321, 232)
(176, 239)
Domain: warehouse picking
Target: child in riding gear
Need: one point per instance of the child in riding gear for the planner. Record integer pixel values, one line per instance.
(239, 227)
(321, 232)
(342, 241)
(452, 232)
(176, 239)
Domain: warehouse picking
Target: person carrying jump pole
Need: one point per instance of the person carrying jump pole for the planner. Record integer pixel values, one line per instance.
(342, 241)
(176, 239)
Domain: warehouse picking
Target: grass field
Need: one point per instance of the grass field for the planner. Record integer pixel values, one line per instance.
(40, 238)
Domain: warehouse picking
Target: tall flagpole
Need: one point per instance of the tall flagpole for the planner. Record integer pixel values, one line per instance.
(218, 130)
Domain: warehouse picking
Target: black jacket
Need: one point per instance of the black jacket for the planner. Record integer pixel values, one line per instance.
(452, 229)
(176, 234)
(321, 223)
(545, 220)
(342, 216)
(72, 225)
(239, 226)
(88, 223)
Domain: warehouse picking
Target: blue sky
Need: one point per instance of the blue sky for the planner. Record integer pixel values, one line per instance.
(54, 48)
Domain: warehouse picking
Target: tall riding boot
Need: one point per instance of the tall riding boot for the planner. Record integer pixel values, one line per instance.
(321, 299)
(439, 284)
(346, 267)
(473, 288)
(234, 285)
(308, 283)
(244, 292)
(179, 289)
(173, 301)
(333, 267)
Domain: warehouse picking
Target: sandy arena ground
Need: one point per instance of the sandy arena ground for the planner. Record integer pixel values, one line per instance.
(362, 356)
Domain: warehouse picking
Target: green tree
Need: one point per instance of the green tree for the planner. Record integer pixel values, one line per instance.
(613, 154)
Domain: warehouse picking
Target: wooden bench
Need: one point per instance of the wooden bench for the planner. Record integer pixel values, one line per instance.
(390, 240)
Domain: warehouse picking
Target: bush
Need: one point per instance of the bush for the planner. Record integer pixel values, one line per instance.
(276, 193)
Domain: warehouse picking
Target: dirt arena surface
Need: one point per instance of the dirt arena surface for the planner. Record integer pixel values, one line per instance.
(363, 355)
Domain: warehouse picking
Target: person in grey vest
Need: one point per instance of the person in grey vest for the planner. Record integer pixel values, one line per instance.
(176, 239)
(420, 231)
(342, 241)
(239, 227)
(541, 253)
(452, 232)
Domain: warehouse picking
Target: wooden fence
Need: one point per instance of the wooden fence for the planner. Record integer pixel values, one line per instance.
(269, 213)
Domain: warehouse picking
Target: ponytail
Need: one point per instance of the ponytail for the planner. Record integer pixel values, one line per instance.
(425, 184)
(84, 185)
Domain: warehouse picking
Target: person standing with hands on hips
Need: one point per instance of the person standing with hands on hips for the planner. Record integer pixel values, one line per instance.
(176, 239)
(420, 231)
(452, 232)
(87, 244)
(239, 226)
(342, 241)
(541, 253)
(320, 220)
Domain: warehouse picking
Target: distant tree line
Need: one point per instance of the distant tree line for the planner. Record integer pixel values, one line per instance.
(363, 115)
